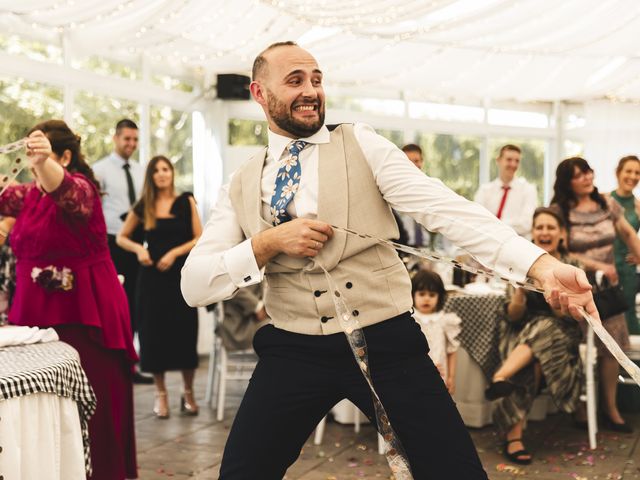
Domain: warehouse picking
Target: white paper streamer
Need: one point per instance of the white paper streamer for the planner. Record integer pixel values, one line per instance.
(631, 368)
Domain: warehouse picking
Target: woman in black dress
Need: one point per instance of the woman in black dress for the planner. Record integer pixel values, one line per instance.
(167, 326)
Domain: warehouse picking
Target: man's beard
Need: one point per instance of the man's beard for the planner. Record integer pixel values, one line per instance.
(282, 115)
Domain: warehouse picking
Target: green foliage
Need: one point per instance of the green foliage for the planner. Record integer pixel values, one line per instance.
(171, 137)
(453, 159)
(22, 105)
(14, 45)
(95, 118)
(395, 136)
(531, 162)
(247, 132)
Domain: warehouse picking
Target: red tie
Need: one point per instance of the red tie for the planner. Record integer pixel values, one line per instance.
(506, 189)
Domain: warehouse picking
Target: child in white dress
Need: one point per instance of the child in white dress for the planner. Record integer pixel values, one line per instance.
(440, 328)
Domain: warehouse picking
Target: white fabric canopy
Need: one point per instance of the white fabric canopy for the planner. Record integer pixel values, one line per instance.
(460, 50)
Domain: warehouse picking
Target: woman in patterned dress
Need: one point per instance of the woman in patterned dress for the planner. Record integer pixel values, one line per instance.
(536, 343)
(593, 223)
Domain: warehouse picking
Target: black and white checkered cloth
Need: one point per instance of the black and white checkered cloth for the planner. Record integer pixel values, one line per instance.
(52, 367)
(479, 334)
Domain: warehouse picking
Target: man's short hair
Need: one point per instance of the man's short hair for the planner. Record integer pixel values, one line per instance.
(412, 147)
(509, 146)
(260, 63)
(125, 123)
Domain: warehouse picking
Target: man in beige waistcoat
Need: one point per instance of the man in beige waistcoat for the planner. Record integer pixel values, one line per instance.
(272, 223)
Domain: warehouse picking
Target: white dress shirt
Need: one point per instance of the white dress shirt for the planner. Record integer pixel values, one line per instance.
(223, 260)
(110, 173)
(520, 204)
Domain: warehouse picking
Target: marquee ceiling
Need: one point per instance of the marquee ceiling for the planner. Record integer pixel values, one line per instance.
(461, 50)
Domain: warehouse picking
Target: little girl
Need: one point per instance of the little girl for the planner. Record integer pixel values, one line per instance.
(440, 328)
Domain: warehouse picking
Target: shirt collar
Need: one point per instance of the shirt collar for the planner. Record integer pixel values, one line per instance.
(277, 143)
(118, 158)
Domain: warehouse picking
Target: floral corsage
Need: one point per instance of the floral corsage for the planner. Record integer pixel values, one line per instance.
(53, 278)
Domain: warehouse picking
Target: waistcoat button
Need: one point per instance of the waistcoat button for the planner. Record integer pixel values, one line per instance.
(349, 285)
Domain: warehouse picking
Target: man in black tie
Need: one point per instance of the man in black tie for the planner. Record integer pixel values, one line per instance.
(121, 179)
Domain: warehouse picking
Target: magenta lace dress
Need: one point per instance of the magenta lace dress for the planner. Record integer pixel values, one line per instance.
(66, 230)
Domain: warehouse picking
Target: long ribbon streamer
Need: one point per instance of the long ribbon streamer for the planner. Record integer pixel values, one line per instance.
(17, 165)
(394, 452)
(632, 369)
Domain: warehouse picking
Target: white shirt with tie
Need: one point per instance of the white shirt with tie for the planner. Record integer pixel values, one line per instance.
(113, 180)
(223, 261)
(519, 206)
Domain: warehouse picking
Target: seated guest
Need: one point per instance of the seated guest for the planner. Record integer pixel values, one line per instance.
(243, 314)
(593, 224)
(536, 344)
(7, 268)
(65, 279)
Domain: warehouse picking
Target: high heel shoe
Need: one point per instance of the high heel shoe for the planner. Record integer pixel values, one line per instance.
(186, 408)
(161, 406)
(609, 424)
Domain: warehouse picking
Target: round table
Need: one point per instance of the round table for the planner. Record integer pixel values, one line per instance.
(45, 404)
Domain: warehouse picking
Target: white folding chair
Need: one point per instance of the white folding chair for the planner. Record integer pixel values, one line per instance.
(317, 438)
(590, 396)
(212, 371)
(225, 366)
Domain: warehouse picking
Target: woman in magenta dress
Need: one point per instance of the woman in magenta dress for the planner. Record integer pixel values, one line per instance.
(65, 279)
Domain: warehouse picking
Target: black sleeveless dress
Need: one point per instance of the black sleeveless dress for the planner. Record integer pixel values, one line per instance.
(167, 326)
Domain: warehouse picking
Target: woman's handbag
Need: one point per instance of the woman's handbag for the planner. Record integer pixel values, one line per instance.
(609, 298)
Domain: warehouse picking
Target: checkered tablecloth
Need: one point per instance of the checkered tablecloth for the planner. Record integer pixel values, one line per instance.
(52, 367)
(479, 334)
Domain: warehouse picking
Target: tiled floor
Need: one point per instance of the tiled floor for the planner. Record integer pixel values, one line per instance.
(191, 447)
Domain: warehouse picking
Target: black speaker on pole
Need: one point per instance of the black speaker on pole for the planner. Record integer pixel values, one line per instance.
(233, 87)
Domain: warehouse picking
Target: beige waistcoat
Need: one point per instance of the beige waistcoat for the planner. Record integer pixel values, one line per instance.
(372, 278)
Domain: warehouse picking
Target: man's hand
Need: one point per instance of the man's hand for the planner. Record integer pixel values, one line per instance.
(566, 287)
(298, 238)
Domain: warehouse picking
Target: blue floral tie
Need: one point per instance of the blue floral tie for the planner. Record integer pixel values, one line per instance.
(287, 183)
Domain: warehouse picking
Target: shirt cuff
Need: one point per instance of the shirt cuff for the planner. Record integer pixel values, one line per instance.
(516, 257)
(240, 263)
(259, 306)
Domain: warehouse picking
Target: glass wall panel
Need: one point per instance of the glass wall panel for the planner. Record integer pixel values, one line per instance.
(388, 107)
(14, 45)
(171, 136)
(531, 162)
(247, 132)
(23, 104)
(573, 148)
(395, 136)
(95, 118)
(446, 112)
(102, 66)
(454, 159)
(517, 118)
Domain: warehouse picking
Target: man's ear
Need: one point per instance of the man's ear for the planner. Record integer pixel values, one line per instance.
(258, 92)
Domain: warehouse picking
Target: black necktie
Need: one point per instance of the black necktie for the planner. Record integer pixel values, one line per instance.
(130, 188)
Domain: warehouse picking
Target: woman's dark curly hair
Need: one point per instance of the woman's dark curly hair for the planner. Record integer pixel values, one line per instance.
(431, 281)
(563, 195)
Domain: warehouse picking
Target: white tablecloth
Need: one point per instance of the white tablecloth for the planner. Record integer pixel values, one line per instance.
(41, 438)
